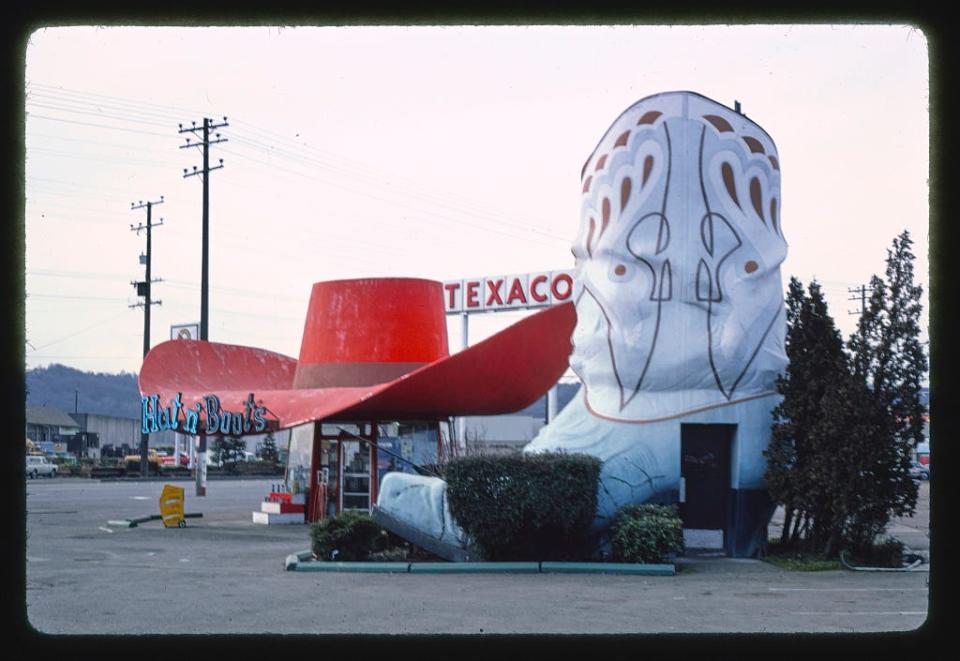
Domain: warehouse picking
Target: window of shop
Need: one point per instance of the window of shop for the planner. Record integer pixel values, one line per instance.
(299, 456)
(347, 457)
(407, 445)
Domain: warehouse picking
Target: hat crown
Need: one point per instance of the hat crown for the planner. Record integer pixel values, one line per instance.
(367, 331)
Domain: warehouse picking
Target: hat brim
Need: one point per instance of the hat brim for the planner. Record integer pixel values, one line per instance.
(502, 374)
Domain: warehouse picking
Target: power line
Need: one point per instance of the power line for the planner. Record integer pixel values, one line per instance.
(75, 333)
(49, 356)
(99, 188)
(442, 217)
(102, 126)
(117, 99)
(100, 143)
(46, 151)
(386, 186)
(75, 274)
(358, 170)
(85, 298)
(94, 114)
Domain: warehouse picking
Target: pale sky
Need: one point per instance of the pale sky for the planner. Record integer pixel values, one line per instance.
(434, 152)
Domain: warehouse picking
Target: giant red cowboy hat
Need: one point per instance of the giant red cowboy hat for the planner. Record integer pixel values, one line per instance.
(371, 349)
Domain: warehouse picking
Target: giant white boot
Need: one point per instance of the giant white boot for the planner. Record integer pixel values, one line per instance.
(680, 314)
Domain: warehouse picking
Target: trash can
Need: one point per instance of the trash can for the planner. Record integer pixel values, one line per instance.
(171, 507)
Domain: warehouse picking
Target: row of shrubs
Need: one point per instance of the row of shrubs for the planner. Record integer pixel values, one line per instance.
(88, 469)
(523, 507)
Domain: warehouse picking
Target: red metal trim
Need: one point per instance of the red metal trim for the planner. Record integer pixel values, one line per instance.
(339, 492)
(374, 462)
(312, 514)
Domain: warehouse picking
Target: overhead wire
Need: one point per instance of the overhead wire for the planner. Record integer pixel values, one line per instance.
(379, 198)
(138, 108)
(82, 330)
(103, 126)
(358, 171)
(388, 188)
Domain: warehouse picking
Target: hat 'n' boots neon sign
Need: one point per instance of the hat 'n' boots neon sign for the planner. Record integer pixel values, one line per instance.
(155, 418)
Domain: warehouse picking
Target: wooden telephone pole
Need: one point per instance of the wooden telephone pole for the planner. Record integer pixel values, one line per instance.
(208, 126)
(143, 290)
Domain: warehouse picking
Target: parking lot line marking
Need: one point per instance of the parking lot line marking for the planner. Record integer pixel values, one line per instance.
(140, 498)
(858, 613)
(105, 529)
(847, 589)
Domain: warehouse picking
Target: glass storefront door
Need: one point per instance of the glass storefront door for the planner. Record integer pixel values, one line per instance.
(355, 475)
(329, 476)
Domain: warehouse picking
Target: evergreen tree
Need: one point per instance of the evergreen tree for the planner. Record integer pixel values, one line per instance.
(849, 470)
(886, 348)
(889, 360)
(235, 448)
(800, 446)
(268, 450)
(220, 450)
(839, 455)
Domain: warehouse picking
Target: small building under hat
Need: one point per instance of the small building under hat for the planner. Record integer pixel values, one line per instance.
(371, 392)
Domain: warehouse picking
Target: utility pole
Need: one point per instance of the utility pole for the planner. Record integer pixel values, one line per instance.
(862, 291)
(143, 289)
(208, 126)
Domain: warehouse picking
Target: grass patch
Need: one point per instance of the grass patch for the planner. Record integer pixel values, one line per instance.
(804, 564)
(797, 560)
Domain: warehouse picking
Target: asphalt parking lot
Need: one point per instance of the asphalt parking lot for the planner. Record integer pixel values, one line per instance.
(224, 574)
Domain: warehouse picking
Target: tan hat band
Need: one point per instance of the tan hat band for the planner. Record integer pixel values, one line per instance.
(346, 375)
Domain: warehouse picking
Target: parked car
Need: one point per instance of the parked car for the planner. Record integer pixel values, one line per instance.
(131, 462)
(38, 465)
(919, 471)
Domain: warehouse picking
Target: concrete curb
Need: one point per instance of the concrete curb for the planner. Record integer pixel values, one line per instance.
(304, 562)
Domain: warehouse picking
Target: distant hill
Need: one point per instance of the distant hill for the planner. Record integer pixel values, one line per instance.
(106, 394)
(118, 394)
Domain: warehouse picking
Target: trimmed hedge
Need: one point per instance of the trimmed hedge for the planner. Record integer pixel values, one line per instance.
(353, 535)
(646, 533)
(254, 468)
(525, 507)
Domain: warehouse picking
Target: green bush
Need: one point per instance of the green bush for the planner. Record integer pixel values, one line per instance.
(646, 533)
(353, 535)
(525, 507)
(888, 553)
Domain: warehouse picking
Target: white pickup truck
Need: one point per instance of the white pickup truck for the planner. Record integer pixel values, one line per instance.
(37, 466)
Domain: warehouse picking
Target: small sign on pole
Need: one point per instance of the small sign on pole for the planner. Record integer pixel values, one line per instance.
(185, 331)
